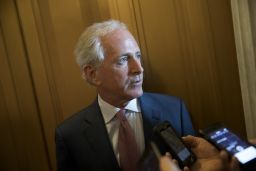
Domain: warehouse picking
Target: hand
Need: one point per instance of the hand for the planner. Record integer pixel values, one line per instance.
(253, 141)
(208, 157)
(231, 164)
(201, 147)
(167, 164)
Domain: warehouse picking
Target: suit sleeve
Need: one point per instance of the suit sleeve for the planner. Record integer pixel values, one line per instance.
(64, 162)
(186, 123)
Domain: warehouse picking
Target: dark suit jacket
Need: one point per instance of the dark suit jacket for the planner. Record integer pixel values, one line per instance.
(82, 141)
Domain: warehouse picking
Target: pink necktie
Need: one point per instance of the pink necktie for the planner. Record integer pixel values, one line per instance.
(127, 146)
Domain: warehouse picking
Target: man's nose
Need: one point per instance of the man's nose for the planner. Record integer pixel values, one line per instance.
(135, 66)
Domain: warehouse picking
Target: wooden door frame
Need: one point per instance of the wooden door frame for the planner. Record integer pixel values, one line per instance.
(246, 58)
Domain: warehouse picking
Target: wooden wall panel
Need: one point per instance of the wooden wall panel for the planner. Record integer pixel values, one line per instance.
(43, 34)
(41, 72)
(124, 11)
(10, 160)
(252, 11)
(62, 25)
(51, 30)
(20, 104)
(226, 65)
(93, 10)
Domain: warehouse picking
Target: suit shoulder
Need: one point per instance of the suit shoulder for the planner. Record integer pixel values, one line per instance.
(154, 97)
(73, 118)
(74, 121)
(71, 123)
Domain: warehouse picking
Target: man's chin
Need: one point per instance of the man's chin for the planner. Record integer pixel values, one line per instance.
(136, 94)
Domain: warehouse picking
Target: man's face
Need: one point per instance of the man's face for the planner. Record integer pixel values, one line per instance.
(120, 75)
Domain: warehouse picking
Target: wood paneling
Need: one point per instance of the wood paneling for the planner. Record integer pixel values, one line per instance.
(8, 107)
(26, 148)
(51, 30)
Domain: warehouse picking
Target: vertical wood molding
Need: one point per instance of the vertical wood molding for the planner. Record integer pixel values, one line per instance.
(47, 62)
(42, 73)
(246, 61)
(113, 9)
(189, 56)
(252, 8)
(10, 121)
(124, 11)
(142, 40)
(103, 9)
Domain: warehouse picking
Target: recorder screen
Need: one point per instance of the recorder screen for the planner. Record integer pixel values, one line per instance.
(243, 151)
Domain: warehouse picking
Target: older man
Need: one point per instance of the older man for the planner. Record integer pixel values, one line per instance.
(112, 132)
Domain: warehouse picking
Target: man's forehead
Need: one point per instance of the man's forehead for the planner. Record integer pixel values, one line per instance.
(117, 34)
(118, 40)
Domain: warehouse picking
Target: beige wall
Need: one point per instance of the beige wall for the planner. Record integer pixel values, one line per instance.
(188, 51)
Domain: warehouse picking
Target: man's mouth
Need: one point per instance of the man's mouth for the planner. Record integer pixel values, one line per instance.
(137, 80)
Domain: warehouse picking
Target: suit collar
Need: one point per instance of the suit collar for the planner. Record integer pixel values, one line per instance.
(148, 110)
(151, 116)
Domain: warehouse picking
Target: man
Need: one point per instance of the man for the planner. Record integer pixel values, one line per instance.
(208, 158)
(110, 60)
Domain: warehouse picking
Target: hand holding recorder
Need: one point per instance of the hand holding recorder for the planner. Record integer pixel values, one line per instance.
(224, 139)
(208, 158)
(192, 153)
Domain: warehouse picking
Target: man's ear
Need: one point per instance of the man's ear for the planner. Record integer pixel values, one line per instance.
(90, 74)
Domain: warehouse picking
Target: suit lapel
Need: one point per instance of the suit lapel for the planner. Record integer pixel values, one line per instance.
(151, 116)
(97, 136)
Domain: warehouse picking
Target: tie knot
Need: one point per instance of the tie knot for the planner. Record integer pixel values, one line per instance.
(121, 115)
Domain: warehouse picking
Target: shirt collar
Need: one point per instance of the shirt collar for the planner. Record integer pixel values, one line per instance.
(133, 105)
(108, 111)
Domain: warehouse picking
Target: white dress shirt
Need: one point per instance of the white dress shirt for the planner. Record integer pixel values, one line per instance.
(133, 115)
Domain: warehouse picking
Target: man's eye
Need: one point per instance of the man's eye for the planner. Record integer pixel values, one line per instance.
(122, 60)
(138, 56)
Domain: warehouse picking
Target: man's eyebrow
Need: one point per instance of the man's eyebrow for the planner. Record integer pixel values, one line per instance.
(128, 54)
(123, 54)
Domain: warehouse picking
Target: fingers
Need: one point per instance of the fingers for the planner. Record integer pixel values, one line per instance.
(201, 147)
(166, 164)
(224, 155)
(253, 141)
(186, 168)
(234, 164)
(175, 163)
(168, 154)
(231, 163)
(190, 140)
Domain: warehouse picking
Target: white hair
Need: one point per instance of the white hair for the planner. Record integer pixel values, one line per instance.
(89, 49)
